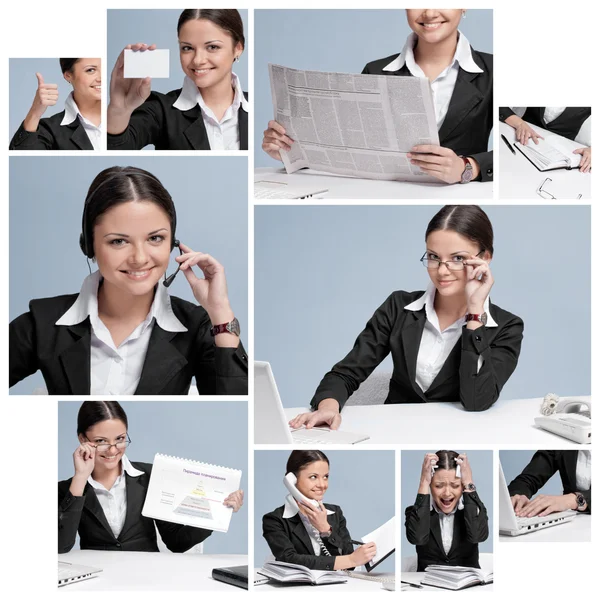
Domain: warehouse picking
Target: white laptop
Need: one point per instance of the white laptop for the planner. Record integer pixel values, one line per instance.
(70, 573)
(280, 190)
(270, 424)
(512, 525)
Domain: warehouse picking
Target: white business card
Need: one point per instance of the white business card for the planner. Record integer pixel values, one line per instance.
(147, 63)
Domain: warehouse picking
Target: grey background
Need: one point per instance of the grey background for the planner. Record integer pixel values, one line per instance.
(46, 205)
(342, 41)
(321, 272)
(481, 462)
(361, 483)
(202, 431)
(513, 463)
(159, 26)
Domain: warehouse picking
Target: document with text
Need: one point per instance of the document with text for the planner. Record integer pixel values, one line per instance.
(354, 125)
(190, 492)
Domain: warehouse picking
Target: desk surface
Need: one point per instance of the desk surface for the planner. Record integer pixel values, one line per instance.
(417, 577)
(352, 585)
(519, 179)
(578, 530)
(506, 422)
(374, 189)
(151, 570)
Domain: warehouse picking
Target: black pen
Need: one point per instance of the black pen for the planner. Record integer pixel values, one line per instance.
(508, 144)
(415, 585)
(357, 543)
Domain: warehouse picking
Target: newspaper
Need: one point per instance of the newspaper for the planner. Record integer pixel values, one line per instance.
(354, 125)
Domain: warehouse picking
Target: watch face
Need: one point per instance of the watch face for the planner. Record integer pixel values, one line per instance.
(471, 487)
(483, 318)
(234, 327)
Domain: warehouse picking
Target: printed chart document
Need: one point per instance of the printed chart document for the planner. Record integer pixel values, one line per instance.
(190, 493)
(385, 539)
(354, 125)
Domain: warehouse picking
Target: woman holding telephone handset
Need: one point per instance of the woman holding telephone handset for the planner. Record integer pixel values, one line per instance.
(448, 344)
(305, 531)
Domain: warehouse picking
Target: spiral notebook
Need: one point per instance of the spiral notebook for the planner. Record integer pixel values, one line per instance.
(189, 492)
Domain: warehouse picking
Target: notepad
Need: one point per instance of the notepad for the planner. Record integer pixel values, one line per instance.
(455, 578)
(385, 540)
(147, 63)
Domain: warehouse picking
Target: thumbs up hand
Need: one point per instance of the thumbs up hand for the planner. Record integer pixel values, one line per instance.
(45, 95)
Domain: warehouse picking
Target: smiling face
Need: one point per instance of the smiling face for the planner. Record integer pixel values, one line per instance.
(434, 25)
(132, 245)
(111, 431)
(86, 79)
(446, 489)
(313, 480)
(207, 52)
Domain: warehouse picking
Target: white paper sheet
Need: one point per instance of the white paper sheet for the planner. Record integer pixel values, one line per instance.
(385, 539)
(149, 63)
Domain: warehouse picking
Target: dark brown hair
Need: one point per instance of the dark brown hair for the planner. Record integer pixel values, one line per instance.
(96, 411)
(301, 458)
(67, 64)
(447, 459)
(227, 19)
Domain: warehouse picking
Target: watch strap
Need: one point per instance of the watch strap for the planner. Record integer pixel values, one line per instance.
(232, 327)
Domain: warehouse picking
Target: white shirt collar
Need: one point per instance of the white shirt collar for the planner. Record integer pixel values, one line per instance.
(463, 56)
(426, 300)
(127, 467)
(72, 112)
(290, 508)
(86, 306)
(190, 95)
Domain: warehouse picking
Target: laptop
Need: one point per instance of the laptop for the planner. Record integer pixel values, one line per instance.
(280, 190)
(70, 573)
(270, 424)
(512, 525)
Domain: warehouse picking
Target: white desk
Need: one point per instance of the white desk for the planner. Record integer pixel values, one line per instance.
(373, 189)
(152, 570)
(417, 577)
(352, 585)
(506, 422)
(519, 179)
(578, 530)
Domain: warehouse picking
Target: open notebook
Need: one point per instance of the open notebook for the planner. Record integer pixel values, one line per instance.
(291, 573)
(455, 578)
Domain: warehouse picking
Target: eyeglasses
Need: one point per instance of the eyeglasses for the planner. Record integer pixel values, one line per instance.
(119, 445)
(547, 195)
(432, 264)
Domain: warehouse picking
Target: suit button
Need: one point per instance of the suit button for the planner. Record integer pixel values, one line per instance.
(447, 560)
(118, 544)
(477, 338)
(490, 171)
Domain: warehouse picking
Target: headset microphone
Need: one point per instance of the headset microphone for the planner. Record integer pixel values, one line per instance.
(171, 278)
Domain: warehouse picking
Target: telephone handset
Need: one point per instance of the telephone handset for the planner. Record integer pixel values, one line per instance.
(290, 483)
(567, 417)
(552, 404)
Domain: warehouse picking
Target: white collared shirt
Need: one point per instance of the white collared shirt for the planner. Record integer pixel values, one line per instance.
(116, 371)
(443, 85)
(223, 134)
(553, 112)
(436, 345)
(583, 471)
(94, 132)
(447, 523)
(114, 501)
(290, 510)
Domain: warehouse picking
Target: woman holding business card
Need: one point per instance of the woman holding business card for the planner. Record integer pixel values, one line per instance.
(103, 500)
(210, 110)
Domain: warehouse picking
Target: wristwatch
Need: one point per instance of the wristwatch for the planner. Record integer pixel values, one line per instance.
(467, 174)
(482, 318)
(580, 500)
(232, 327)
(470, 487)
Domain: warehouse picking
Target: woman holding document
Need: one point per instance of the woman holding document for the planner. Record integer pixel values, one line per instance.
(103, 500)
(461, 82)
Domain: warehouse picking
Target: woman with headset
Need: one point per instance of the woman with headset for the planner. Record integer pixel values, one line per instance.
(461, 83)
(123, 333)
(448, 519)
(302, 533)
(103, 500)
(77, 127)
(448, 344)
(209, 112)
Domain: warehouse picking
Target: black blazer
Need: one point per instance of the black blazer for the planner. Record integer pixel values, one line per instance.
(62, 353)
(542, 466)
(84, 515)
(469, 121)
(51, 135)
(290, 542)
(393, 329)
(470, 527)
(158, 122)
(567, 124)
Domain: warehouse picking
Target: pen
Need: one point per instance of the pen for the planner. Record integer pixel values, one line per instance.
(415, 585)
(357, 543)
(508, 144)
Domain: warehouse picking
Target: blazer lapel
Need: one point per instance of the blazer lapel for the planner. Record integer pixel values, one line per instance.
(80, 138)
(243, 128)
(300, 532)
(436, 530)
(136, 494)
(162, 362)
(75, 359)
(92, 505)
(412, 332)
(196, 132)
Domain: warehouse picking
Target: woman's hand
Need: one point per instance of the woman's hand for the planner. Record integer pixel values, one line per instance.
(84, 460)
(479, 283)
(519, 502)
(235, 500)
(316, 516)
(585, 165)
(328, 413)
(543, 505)
(46, 95)
(363, 554)
(440, 162)
(274, 139)
(523, 131)
(466, 475)
(429, 464)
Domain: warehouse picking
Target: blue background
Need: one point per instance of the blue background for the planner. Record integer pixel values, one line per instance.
(342, 41)
(481, 462)
(321, 272)
(202, 431)
(46, 204)
(513, 463)
(361, 483)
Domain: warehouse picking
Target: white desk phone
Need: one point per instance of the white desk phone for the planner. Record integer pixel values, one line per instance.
(290, 483)
(567, 417)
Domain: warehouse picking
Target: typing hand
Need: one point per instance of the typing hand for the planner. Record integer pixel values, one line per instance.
(274, 139)
(519, 502)
(585, 165)
(328, 413)
(543, 505)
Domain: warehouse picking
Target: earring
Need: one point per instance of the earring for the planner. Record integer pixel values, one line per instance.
(464, 14)
(236, 59)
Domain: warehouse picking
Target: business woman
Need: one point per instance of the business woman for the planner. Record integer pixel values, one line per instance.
(461, 83)
(77, 127)
(448, 519)
(302, 534)
(209, 112)
(123, 333)
(575, 470)
(103, 500)
(448, 344)
(560, 120)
